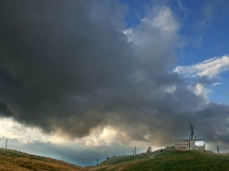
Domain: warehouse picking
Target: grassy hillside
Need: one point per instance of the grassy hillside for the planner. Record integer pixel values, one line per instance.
(168, 160)
(11, 160)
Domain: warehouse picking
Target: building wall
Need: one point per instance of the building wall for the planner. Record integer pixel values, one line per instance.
(182, 144)
(188, 144)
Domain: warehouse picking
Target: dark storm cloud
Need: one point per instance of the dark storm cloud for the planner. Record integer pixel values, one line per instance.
(67, 67)
(215, 118)
(51, 51)
(4, 110)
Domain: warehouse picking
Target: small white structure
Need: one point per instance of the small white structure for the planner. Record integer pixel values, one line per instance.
(191, 143)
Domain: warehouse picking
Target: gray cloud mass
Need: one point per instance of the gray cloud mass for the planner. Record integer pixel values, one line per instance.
(67, 67)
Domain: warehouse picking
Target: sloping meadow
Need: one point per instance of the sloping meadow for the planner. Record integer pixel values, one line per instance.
(11, 160)
(167, 159)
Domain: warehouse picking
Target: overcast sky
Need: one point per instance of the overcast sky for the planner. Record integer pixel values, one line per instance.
(86, 79)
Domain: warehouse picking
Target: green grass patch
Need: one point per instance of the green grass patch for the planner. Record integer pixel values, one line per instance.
(168, 160)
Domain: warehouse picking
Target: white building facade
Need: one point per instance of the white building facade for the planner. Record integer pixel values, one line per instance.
(189, 144)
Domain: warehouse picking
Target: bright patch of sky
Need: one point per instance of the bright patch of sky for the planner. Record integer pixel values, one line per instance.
(11, 128)
(136, 11)
(204, 27)
(206, 31)
(216, 70)
(210, 68)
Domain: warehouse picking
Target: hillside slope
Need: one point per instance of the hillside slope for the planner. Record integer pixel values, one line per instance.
(11, 160)
(167, 160)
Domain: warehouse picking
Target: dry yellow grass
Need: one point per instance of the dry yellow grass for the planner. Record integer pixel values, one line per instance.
(11, 160)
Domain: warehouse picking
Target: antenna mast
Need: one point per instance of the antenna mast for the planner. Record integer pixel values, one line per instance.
(192, 131)
(6, 143)
(97, 161)
(217, 148)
